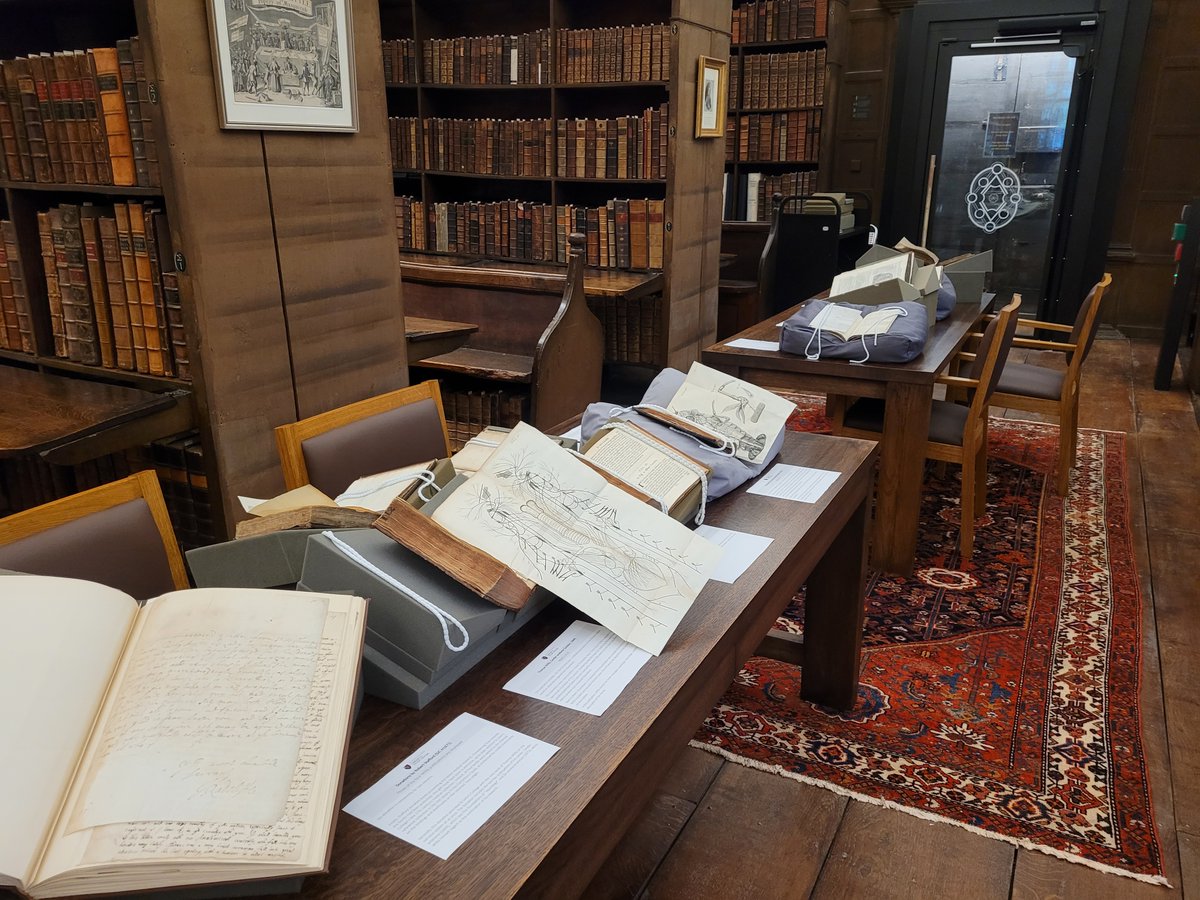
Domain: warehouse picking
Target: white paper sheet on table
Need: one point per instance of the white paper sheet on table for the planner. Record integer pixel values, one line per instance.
(794, 483)
(585, 669)
(751, 344)
(444, 792)
(741, 550)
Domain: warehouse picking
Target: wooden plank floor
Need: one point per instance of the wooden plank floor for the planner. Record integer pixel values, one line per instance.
(717, 829)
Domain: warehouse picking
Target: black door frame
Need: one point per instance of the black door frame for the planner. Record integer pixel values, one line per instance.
(1087, 213)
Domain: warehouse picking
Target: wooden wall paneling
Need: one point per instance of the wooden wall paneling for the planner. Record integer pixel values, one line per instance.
(1160, 174)
(339, 265)
(220, 215)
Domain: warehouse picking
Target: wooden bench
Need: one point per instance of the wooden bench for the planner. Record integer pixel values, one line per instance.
(536, 335)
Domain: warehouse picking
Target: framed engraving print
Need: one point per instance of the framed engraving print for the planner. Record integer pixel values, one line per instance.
(284, 64)
(711, 90)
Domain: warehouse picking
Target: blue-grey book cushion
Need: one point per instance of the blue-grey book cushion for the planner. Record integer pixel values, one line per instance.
(903, 341)
(947, 297)
(728, 472)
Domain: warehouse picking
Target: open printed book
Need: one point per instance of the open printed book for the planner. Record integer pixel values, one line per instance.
(198, 739)
(750, 418)
(899, 267)
(849, 323)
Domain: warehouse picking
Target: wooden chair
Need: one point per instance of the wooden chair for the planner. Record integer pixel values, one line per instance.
(957, 434)
(118, 534)
(1048, 391)
(331, 449)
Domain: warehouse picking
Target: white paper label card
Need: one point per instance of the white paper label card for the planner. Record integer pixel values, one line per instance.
(751, 344)
(794, 483)
(575, 434)
(585, 669)
(741, 550)
(444, 792)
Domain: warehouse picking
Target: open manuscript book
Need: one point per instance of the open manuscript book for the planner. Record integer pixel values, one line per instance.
(198, 739)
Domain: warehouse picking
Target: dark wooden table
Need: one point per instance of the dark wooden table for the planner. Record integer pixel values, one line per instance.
(552, 836)
(68, 420)
(433, 337)
(908, 389)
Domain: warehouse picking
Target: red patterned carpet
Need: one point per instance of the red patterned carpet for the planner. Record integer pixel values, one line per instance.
(1000, 695)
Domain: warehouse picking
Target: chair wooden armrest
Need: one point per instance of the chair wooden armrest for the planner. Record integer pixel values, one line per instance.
(1061, 346)
(966, 354)
(1037, 323)
(957, 381)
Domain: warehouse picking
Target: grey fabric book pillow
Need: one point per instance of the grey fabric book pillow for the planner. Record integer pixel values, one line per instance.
(904, 340)
(728, 472)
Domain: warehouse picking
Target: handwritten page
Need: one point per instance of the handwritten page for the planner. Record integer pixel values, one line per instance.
(749, 416)
(558, 523)
(63, 640)
(209, 714)
(585, 668)
(751, 344)
(794, 483)
(441, 795)
(741, 550)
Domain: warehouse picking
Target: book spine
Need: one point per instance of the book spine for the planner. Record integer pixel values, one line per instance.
(10, 157)
(83, 121)
(137, 328)
(110, 257)
(119, 149)
(31, 111)
(621, 211)
(94, 114)
(20, 160)
(78, 315)
(53, 295)
(149, 141)
(133, 114)
(18, 325)
(145, 288)
(64, 113)
(10, 333)
(160, 309)
(42, 84)
(98, 285)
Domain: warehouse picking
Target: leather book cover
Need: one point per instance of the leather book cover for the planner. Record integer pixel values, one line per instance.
(10, 330)
(78, 317)
(639, 238)
(53, 297)
(172, 303)
(94, 115)
(41, 65)
(97, 284)
(160, 311)
(19, 158)
(17, 319)
(656, 216)
(31, 111)
(110, 259)
(85, 148)
(148, 137)
(621, 210)
(64, 115)
(133, 115)
(133, 300)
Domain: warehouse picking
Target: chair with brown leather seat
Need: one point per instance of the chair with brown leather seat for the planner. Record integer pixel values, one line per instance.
(957, 433)
(330, 450)
(1055, 391)
(118, 534)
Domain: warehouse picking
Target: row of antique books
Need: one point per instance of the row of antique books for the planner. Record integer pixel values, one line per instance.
(629, 53)
(622, 234)
(179, 463)
(78, 117)
(469, 412)
(780, 20)
(774, 137)
(632, 327)
(624, 147)
(112, 287)
(16, 326)
(776, 80)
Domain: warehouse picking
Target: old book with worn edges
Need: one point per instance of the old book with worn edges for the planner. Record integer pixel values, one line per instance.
(133, 302)
(119, 149)
(648, 468)
(53, 295)
(79, 320)
(97, 285)
(110, 257)
(198, 739)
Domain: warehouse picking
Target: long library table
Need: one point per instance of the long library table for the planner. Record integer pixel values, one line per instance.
(908, 390)
(549, 839)
(69, 420)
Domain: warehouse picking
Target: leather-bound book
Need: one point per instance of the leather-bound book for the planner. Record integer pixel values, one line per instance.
(114, 281)
(79, 320)
(119, 148)
(97, 285)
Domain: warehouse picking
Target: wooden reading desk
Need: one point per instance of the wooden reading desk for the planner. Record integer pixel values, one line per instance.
(433, 337)
(908, 389)
(483, 271)
(552, 836)
(69, 420)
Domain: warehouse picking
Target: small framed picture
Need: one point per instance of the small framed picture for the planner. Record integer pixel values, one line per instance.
(711, 94)
(284, 64)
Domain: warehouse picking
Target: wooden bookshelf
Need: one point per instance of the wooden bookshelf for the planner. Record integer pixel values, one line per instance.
(289, 278)
(685, 314)
(808, 32)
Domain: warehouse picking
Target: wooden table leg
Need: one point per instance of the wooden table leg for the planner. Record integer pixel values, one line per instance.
(901, 471)
(833, 617)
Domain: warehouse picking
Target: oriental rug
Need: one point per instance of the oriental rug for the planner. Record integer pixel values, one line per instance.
(1000, 695)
